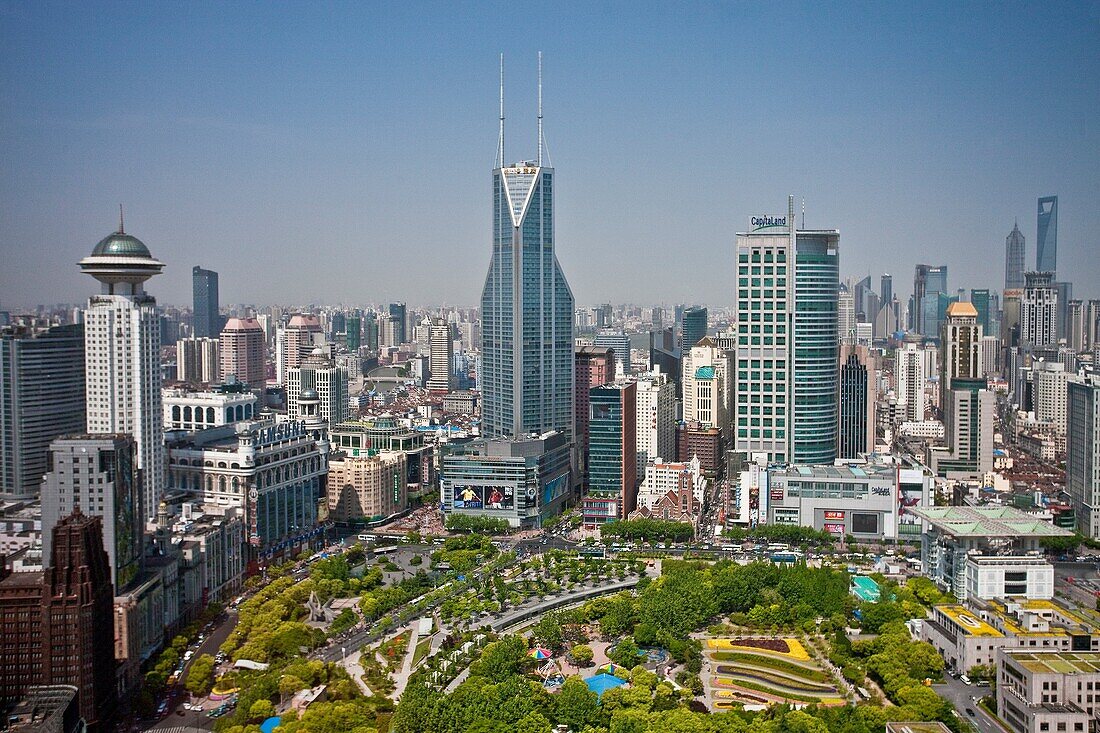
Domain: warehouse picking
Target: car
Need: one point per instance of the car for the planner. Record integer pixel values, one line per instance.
(970, 712)
(965, 680)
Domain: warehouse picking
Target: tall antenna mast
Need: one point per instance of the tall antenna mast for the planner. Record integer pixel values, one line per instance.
(121, 228)
(803, 212)
(540, 109)
(500, 143)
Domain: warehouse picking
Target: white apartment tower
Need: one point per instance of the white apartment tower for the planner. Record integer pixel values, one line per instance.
(197, 360)
(656, 417)
(909, 373)
(440, 356)
(122, 355)
(319, 373)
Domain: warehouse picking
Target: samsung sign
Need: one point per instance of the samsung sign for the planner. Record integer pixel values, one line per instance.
(761, 223)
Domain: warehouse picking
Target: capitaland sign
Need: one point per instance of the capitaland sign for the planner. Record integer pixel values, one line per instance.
(763, 223)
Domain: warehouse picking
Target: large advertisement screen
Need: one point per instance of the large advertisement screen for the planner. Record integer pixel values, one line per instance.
(864, 523)
(554, 488)
(484, 497)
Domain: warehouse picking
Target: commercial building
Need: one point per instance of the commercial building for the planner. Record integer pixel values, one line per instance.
(694, 328)
(865, 501)
(672, 491)
(858, 398)
(910, 374)
(186, 409)
(242, 350)
(367, 488)
(275, 473)
(1046, 239)
(41, 397)
(929, 282)
(122, 355)
(1014, 259)
(441, 356)
(527, 358)
(46, 709)
(318, 373)
(706, 378)
(524, 481)
(462, 402)
(197, 360)
(399, 318)
(612, 453)
(955, 536)
(656, 414)
(1046, 690)
(98, 474)
(1049, 383)
(295, 342)
(57, 626)
(367, 437)
(1039, 311)
(206, 320)
(1083, 451)
(595, 366)
(787, 381)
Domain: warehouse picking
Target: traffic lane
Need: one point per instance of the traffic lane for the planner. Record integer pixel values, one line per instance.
(178, 695)
(961, 695)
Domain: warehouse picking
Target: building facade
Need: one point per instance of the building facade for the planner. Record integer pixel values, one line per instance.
(440, 356)
(612, 453)
(656, 415)
(367, 488)
(1014, 259)
(185, 409)
(858, 397)
(206, 319)
(242, 351)
(1083, 452)
(1039, 311)
(41, 397)
(122, 355)
(1047, 690)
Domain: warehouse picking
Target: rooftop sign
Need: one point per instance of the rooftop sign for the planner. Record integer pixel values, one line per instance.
(764, 223)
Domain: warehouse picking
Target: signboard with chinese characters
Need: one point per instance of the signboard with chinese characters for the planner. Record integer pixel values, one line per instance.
(834, 515)
(834, 528)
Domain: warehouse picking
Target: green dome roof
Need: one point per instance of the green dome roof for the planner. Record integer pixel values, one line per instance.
(121, 245)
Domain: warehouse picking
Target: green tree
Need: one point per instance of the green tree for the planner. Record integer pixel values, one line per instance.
(261, 710)
(533, 722)
(200, 677)
(582, 654)
(575, 705)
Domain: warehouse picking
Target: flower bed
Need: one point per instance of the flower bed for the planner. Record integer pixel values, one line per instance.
(787, 647)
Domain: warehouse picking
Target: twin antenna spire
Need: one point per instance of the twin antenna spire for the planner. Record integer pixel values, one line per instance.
(500, 142)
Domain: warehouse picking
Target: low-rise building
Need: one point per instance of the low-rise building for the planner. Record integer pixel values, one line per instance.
(1048, 691)
(188, 409)
(367, 488)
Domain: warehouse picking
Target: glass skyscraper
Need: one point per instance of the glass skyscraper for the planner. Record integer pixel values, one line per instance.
(1014, 259)
(816, 347)
(206, 319)
(526, 312)
(695, 326)
(1046, 241)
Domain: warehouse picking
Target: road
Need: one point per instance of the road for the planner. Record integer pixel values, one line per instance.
(959, 695)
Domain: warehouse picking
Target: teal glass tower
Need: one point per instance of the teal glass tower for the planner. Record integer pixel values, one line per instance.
(527, 377)
(816, 346)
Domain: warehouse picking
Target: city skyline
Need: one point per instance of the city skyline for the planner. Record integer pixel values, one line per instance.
(280, 150)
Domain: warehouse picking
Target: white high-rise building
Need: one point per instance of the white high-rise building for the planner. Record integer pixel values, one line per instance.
(1039, 310)
(846, 315)
(656, 417)
(910, 376)
(197, 360)
(706, 385)
(440, 356)
(122, 355)
(319, 373)
(1049, 379)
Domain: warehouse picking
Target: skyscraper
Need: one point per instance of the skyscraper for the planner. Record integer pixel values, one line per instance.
(960, 348)
(41, 397)
(206, 319)
(980, 299)
(909, 376)
(846, 315)
(706, 385)
(595, 367)
(928, 282)
(440, 356)
(318, 373)
(297, 341)
(1046, 239)
(400, 319)
(1083, 452)
(243, 352)
(527, 307)
(787, 344)
(197, 360)
(1014, 259)
(887, 289)
(1039, 311)
(656, 415)
(612, 453)
(857, 402)
(122, 355)
(695, 327)
(618, 342)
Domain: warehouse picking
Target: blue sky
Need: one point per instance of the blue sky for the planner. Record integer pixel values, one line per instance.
(342, 152)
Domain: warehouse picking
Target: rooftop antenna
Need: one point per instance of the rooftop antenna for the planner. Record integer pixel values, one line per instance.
(121, 228)
(803, 212)
(500, 143)
(540, 109)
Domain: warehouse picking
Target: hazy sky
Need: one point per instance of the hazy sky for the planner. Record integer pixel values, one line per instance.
(342, 152)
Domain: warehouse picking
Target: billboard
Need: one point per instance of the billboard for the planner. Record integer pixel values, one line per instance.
(834, 515)
(554, 488)
(484, 497)
(834, 528)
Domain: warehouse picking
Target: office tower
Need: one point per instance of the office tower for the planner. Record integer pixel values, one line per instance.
(58, 625)
(887, 289)
(705, 384)
(857, 402)
(1039, 311)
(910, 376)
(337, 323)
(318, 373)
(695, 326)
(206, 320)
(41, 397)
(353, 332)
(122, 355)
(861, 291)
(1092, 325)
(400, 319)
(243, 352)
(197, 360)
(656, 417)
(618, 342)
(1075, 325)
(295, 342)
(603, 315)
(928, 281)
(980, 299)
(1014, 259)
(664, 354)
(1065, 295)
(991, 356)
(594, 367)
(612, 453)
(370, 331)
(787, 382)
(960, 348)
(98, 474)
(440, 356)
(1049, 381)
(846, 315)
(1046, 239)
(1083, 451)
(527, 361)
